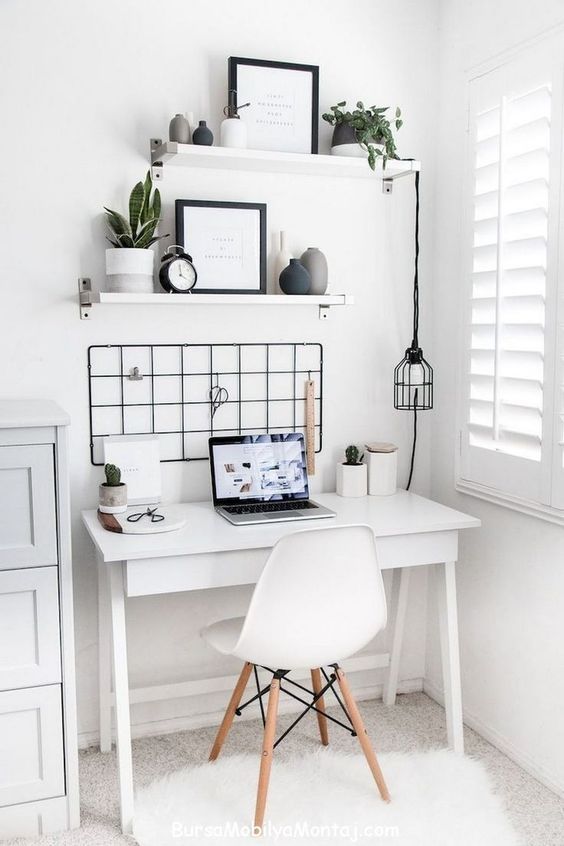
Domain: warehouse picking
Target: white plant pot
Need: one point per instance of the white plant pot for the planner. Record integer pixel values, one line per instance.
(129, 270)
(352, 479)
(112, 498)
(353, 150)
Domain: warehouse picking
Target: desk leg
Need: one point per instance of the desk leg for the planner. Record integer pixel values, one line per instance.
(121, 688)
(448, 622)
(391, 682)
(104, 657)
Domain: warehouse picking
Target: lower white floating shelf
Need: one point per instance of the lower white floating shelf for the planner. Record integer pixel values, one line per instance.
(324, 302)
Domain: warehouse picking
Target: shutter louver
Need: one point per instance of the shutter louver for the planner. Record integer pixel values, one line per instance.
(509, 271)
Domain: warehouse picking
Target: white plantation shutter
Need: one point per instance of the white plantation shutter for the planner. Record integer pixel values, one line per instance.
(507, 432)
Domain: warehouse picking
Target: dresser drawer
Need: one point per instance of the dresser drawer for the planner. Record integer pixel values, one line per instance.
(31, 745)
(28, 534)
(30, 651)
(33, 819)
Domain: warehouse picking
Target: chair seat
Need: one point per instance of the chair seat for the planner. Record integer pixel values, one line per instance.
(224, 634)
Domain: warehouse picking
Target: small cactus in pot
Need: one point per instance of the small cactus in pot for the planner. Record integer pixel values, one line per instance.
(112, 492)
(353, 456)
(352, 479)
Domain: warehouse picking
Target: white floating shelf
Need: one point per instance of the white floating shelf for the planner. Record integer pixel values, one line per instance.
(224, 299)
(191, 155)
(323, 303)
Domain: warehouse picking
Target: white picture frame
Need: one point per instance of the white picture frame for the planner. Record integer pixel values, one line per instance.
(138, 458)
(227, 243)
(283, 98)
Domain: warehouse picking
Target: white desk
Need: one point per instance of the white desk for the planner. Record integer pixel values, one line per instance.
(410, 531)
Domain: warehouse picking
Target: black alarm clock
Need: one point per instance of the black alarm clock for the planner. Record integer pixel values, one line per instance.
(177, 274)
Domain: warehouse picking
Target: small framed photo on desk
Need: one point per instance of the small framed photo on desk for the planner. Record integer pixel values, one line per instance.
(138, 457)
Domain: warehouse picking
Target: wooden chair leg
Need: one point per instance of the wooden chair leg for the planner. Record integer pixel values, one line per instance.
(321, 720)
(362, 735)
(267, 747)
(227, 721)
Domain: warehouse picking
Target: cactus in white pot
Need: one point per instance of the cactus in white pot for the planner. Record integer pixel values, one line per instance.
(352, 474)
(129, 264)
(112, 492)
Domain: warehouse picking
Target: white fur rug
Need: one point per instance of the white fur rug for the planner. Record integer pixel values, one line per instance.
(438, 799)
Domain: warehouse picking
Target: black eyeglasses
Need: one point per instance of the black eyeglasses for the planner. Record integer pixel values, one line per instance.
(150, 512)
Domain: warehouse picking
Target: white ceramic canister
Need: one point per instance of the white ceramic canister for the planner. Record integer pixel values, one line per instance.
(382, 461)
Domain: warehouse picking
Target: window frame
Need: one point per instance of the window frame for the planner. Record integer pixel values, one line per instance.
(549, 504)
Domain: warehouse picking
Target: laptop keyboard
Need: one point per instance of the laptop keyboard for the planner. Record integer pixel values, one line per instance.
(264, 507)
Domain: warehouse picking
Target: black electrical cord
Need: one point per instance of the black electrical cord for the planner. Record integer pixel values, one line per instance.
(413, 446)
(415, 341)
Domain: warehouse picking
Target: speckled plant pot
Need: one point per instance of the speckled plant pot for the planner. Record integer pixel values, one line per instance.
(112, 498)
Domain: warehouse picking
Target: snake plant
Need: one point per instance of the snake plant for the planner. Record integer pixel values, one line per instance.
(144, 214)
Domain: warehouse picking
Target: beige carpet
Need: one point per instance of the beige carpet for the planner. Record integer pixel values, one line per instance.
(415, 724)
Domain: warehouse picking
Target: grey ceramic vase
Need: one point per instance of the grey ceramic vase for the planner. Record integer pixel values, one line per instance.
(315, 262)
(179, 130)
(295, 278)
(202, 135)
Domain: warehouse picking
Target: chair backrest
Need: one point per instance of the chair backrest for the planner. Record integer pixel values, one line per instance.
(319, 599)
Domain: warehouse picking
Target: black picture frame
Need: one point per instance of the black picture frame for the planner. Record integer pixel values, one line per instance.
(183, 239)
(235, 62)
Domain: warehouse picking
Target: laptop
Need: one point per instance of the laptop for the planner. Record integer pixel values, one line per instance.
(262, 479)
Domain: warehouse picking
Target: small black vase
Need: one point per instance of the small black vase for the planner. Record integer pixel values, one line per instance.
(202, 135)
(295, 278)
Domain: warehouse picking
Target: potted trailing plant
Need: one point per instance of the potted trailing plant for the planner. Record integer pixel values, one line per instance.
(363, 132)
(129, 263)
(352, 474)
(112, 492)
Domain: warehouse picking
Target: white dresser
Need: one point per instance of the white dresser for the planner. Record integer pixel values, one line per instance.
(38, 734)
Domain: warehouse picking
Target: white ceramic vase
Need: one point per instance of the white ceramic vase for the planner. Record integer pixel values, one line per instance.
(233, 133)
(281, 261)
(351, 479)
(129, 270)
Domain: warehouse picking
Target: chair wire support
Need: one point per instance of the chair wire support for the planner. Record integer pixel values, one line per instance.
(282, 675)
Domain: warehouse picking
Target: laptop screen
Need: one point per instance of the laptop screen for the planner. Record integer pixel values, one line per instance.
(258, 468)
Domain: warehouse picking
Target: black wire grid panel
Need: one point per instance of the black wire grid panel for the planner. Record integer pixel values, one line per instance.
(184, 393)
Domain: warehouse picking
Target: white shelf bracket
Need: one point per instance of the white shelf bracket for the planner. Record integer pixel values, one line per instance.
(387, 186)
(84, 297)
(323, 312)
(156, 166)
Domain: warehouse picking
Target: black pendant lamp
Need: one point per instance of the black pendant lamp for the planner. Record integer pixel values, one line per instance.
(413, 376)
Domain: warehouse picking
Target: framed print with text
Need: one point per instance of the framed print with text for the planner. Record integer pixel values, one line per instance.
(284, 103)
(227, 242)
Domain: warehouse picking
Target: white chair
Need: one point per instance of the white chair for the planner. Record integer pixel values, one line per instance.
(320, 598)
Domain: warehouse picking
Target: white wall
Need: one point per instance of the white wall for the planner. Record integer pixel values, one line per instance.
(84, 87)
(511, 578)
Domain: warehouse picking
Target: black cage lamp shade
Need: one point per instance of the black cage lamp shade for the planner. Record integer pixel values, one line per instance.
(413, 382)
(413, 376)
